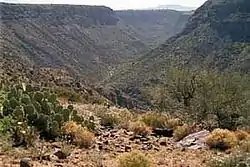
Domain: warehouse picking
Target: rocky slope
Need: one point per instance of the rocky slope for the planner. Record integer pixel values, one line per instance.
(85, 40)
(216, 36)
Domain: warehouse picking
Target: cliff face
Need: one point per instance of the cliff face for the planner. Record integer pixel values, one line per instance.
(85, 40)
(54, 35)
(59, 14)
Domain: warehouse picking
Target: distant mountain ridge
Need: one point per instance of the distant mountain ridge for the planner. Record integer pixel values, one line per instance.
(85, 40)
(175, 7)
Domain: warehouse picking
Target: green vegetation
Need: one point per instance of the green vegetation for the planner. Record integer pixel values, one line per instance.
(212, 98)
(27, 113)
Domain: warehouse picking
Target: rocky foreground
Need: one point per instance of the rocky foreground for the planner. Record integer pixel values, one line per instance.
(159, 146)
(162, 150)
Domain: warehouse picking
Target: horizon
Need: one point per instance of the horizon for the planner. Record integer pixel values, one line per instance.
(126, 5)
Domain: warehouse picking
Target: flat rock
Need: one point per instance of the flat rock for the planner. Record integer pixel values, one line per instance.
(194, 140)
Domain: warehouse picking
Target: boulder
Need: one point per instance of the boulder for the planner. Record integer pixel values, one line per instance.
(194, 140)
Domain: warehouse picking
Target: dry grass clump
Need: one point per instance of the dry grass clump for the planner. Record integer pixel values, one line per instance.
(139, 128)
(110, 119)
(222, 139)
(242, 135)
(79, 135)
(125, 117)
(181, 131)
(154, 120)
(134, 159)
(173, 123)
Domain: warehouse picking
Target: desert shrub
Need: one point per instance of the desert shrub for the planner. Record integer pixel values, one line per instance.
(125, 117)
(240, 160)
(181, 131)
(140, 128)
(242, 135)
(205, 94)
(78, 135)
(173, 123)
(134, 159)
(6, 123)
(110, 119)
(221, 139)
(154, 120)
(84, 138)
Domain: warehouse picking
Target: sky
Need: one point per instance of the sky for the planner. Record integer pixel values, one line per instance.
(117, 4)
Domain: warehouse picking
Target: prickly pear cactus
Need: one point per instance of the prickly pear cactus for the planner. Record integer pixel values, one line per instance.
(37, 106)
(18, 113)
(29, 109)
(54, 129)
(38, 96)
(58, 118)
(42, 122)
(14, 103)
(38, 109)
(25, 99)
(66, 114)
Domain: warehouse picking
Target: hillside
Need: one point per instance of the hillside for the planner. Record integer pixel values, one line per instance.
(154, 26)
(216, 36)
(84, 40)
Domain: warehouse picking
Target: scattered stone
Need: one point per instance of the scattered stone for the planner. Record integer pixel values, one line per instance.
(129, 133)
(147, 146)
(46, 157)
(25, 162)
(128, 148)
(55, 145)
(100, 147)
(106, 134)
(163, 141)
(106, 142)
(166, 132)
(60, 154)
(53, 157)
(144, 139)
